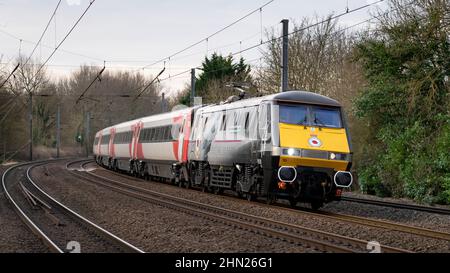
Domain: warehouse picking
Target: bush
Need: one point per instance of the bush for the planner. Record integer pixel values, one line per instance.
(406, 104)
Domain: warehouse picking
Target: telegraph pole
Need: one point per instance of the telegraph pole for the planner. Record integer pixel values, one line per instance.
(192, 86)
(58, 130)
(284, 59)
(31, 125)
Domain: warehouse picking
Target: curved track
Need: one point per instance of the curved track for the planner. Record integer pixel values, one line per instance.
(314, 239)
(388, 225)
(55, 224)
(397, 205)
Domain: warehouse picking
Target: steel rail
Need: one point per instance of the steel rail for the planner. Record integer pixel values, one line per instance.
(397, 205)
(36, 229)
(22, 215)
(323, 240)
(388, 225)
(103, 232)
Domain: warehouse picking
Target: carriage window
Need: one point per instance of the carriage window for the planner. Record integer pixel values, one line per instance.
(158, 134)
(182, 126)
(167, 134)
(162, 132)
(154, 134)
(147, 134)
(175, 131)
(223, 126)
(105, 139)
(247, 115)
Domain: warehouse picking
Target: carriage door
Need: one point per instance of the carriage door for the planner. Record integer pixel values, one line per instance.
(135, 140)
(181, 139)
(264, 132)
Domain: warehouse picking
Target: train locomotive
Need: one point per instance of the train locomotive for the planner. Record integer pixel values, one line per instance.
(293, 145)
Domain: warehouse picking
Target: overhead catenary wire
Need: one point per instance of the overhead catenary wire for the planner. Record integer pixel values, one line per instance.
(43, 33)
(97, 77)
(210, 36)
(51, 47)
(9, 76)
(291, 33)
(261, 43)
(308, 27)
(298, 30)
(148, 85)
(65, 37)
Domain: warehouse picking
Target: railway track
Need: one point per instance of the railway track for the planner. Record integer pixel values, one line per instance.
(59, 227)
(363, 221)
(397, 205)
(314, 239)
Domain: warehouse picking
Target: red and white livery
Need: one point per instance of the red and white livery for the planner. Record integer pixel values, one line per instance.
(150, 146)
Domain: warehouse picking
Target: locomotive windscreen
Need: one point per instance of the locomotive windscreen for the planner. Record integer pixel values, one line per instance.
(310, 115)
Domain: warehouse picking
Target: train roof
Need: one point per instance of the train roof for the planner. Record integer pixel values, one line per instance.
(304, 97)
(288, 96)
(162, 116)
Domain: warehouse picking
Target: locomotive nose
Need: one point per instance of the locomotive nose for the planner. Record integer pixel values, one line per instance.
(343, 179)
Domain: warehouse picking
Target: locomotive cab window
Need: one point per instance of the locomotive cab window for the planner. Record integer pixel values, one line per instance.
(326, 117)
(309, 115)
(294, 114)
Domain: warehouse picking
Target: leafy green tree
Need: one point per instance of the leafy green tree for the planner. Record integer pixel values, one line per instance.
(406, 104)
(216, 72)
(221, 68)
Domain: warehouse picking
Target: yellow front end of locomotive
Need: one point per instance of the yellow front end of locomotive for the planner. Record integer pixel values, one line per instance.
(314, 147)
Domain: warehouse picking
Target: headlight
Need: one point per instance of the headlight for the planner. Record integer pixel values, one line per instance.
(339, 156)
(291, 152)
(332, 155)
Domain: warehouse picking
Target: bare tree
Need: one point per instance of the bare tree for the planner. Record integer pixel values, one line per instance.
(318, 59)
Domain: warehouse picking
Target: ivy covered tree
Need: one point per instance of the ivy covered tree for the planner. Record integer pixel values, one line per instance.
(406, 104)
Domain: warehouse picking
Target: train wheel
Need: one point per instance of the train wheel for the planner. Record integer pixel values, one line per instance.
(293, 202)
(250, 197)
(239, 191)
(205, 184)
(270, 199)
(315, 205)
(180, 183)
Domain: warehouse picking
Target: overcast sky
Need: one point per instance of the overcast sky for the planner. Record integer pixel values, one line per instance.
(131, 34)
